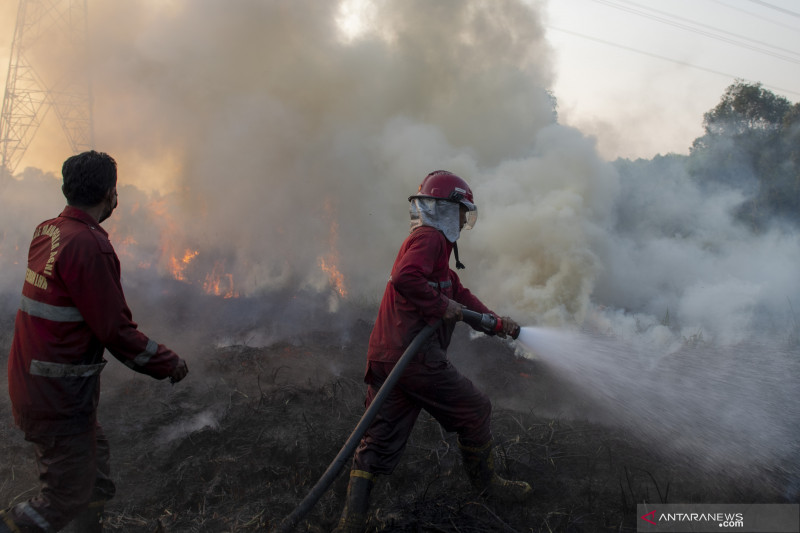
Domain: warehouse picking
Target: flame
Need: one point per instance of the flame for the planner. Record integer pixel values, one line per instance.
(328, 262)
(175, 262)
(175, 256)
(220, 283)
(177, 267)
(336, 278)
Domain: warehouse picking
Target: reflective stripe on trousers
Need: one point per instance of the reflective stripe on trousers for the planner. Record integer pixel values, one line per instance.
(73, 471)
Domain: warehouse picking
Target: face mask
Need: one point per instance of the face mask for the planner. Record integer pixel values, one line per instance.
(440, 214)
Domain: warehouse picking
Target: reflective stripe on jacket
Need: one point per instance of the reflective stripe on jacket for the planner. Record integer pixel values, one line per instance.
(72, 309)
(417, 293)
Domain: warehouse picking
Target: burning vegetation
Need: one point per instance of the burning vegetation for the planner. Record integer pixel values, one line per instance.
(261, 247)
(239, 444)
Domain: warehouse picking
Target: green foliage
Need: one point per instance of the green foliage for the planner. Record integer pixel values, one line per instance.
(744, 109)
(752, 143)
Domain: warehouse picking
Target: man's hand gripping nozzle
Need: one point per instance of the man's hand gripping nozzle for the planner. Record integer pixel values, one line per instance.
(488, 323)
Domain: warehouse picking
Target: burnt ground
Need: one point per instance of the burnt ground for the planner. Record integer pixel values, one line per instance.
(240, 443)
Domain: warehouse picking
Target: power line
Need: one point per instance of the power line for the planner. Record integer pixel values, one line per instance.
(776, 8)
(755, 15)
(735, 42)
(712, 28)
(664, 58)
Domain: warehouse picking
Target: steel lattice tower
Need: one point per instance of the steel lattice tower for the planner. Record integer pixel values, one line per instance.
(48, 69)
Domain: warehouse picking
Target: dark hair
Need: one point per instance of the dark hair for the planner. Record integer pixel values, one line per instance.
(88, 177)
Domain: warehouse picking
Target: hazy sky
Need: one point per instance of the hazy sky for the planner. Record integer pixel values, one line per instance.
(315, 120)
(639, 74)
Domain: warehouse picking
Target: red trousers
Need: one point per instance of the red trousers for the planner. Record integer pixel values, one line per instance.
(73, 471)
(429, 382)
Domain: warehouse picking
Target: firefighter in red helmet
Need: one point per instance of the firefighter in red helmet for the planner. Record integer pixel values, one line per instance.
(421, 290)
(72, 310)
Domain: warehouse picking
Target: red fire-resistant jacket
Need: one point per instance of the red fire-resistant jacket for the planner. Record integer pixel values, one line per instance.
(72, 309)
(417, 294)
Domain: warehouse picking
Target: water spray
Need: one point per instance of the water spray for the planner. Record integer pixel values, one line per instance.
(725, 408)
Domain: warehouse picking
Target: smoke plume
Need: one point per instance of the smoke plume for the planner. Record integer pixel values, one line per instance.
(270, 147)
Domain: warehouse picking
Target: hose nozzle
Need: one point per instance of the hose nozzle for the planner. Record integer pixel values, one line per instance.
(485, 322)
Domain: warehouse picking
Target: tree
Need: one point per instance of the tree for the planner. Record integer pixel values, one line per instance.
(791, 138)
(752, 142)
(746, 108)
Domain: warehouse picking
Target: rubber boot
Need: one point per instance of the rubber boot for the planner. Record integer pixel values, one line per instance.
(354, 515)
(90, 520)
(7, 524)
(479, 464)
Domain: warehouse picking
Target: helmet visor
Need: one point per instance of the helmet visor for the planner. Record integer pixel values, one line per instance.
(472, 214)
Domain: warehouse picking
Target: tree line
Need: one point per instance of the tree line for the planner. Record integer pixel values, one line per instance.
(752, 142)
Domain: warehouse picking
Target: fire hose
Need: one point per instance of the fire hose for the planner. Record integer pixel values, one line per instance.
(485, 322)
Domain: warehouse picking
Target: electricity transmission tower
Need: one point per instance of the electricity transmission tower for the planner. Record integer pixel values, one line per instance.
(48, 69)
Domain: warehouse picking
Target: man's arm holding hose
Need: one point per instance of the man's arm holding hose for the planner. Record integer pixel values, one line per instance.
(410, 276)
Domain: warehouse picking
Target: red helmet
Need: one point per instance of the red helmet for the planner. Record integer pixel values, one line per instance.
(445, 185)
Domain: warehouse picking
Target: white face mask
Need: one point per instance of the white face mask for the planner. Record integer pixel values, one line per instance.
(440, 214)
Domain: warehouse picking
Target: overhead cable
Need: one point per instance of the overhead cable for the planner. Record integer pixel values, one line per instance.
(657, 56)
(756, 15)
(776, 8)
(735, 42)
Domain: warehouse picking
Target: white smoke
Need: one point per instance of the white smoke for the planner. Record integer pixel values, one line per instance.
(676, 253)
(204, 420)
(272, 136)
